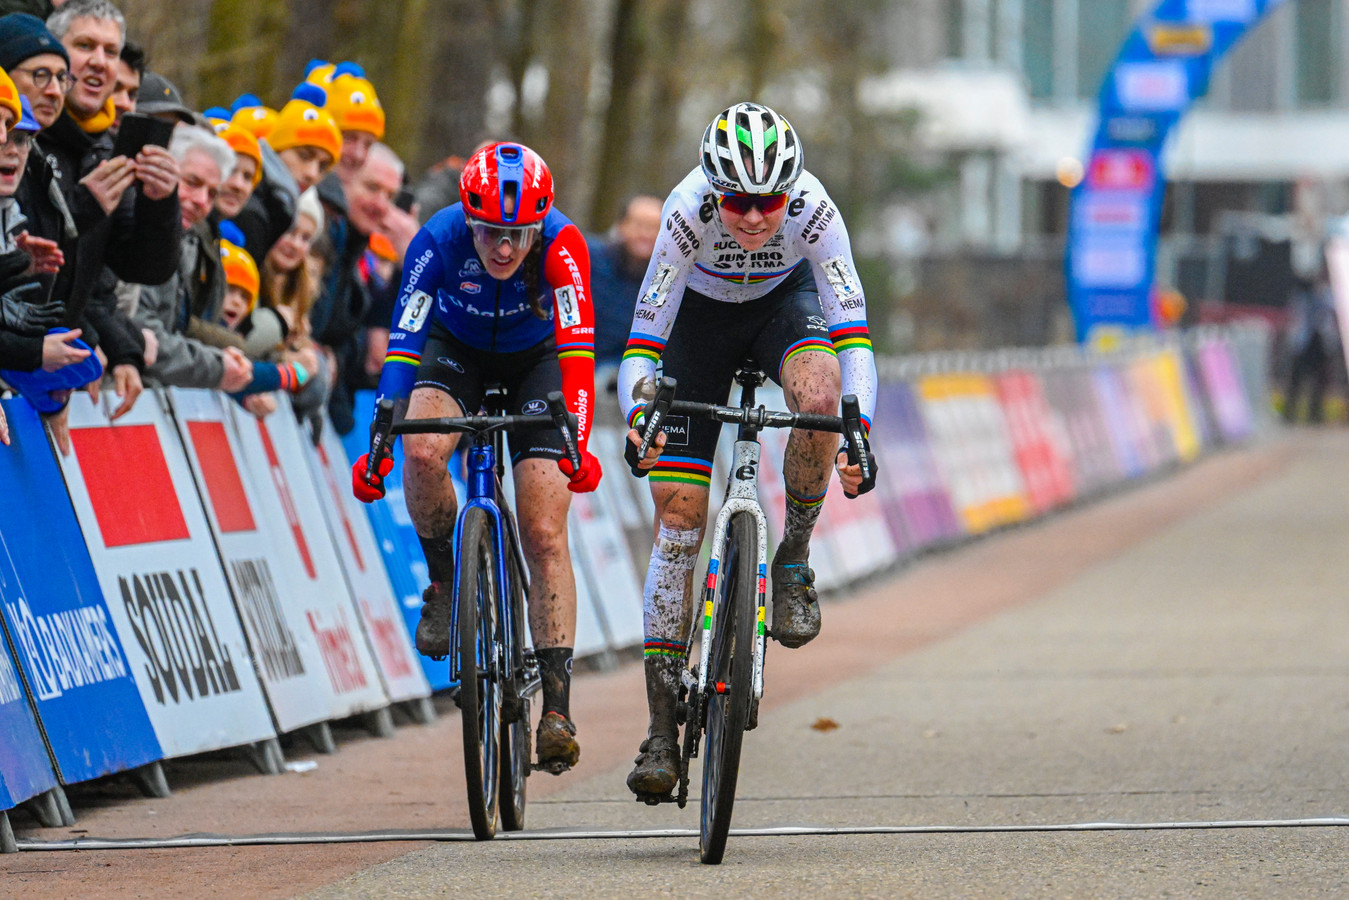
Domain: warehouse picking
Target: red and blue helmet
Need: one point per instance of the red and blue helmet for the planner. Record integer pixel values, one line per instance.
(506, 184)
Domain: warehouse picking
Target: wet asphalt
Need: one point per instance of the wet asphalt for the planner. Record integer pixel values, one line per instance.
(1171, 722)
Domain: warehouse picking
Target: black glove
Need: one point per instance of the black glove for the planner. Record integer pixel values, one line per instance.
(869, 479)
(21, 314)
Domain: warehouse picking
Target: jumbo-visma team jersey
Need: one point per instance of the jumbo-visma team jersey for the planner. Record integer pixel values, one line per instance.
(694, 251)
(445, 284)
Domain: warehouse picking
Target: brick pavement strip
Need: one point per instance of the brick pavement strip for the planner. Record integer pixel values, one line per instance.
(1176, 652)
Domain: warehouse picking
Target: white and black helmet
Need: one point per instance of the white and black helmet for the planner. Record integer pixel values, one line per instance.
(750, 149)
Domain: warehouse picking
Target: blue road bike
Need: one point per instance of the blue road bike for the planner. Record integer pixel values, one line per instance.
(489, 657)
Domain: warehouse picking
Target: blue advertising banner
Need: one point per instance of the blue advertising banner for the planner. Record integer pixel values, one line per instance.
(24, 769)
(1115, 211)
(53, 609)
(396, 536)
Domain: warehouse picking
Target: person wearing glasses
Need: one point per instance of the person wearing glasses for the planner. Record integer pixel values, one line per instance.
(496, 288)
(752, 263)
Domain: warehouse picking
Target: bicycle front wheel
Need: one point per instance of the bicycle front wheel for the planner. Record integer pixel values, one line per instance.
(479, 670)
(730, 683)
(515, 733)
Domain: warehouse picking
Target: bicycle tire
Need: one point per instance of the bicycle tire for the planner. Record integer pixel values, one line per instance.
(730, 663)
(515, 735)
(479, 675)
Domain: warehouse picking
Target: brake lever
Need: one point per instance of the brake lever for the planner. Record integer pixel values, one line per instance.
(855, 437)
(566, 424)
(654, 414)
(380, 446)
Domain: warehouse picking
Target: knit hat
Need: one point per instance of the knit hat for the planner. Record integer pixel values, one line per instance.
(310, 205)
(240, 270)
(250, 113)
(319, 71)
(9, 96)
(27, 122)
(244, 143)
(352, 101)
(303, 122)
(23, 36)
(217, 117)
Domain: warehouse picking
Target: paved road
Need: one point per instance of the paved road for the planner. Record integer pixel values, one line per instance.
(1174, 657)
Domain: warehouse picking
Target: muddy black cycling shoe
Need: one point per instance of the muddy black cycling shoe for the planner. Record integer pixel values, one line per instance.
(556, 742)
(433, 631)
(657, 769)
(796, 606)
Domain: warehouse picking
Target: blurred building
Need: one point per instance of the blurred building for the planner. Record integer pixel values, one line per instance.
(1006, 93)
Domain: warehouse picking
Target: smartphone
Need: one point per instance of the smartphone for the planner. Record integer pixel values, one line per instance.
(404, 199)
(137, 130)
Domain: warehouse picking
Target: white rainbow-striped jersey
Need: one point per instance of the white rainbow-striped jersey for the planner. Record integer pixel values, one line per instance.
(694, 251)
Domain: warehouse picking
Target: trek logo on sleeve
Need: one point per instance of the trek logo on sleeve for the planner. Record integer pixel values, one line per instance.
(415, 310)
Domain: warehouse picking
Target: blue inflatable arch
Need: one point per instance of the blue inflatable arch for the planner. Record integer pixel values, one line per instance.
(1114, 213)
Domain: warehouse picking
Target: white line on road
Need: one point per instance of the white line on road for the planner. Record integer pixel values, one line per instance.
(366, 837)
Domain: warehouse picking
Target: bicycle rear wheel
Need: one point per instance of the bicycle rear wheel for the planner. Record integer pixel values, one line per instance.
(515, 734)
(730, 682)
(479, 670)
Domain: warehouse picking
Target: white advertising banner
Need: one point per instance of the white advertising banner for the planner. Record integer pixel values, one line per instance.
(156, 561)
(363, 564)
(289, 660)
(310, 575)
(605, 564)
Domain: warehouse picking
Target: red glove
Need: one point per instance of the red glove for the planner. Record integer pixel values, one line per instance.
(587, 478)
(365, 491)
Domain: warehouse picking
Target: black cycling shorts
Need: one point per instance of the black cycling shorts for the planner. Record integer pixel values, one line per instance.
(527, 376)
(711, 339)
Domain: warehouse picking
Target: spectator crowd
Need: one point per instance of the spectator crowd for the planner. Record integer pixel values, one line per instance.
(244, 248)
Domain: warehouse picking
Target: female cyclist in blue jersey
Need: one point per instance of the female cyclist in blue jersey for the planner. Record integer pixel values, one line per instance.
(753, 263)
(496, 289)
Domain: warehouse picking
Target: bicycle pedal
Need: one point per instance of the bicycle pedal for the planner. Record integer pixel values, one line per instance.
(656, 799)
(552, 767)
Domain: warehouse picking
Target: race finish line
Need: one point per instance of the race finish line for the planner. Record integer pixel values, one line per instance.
(389, 836)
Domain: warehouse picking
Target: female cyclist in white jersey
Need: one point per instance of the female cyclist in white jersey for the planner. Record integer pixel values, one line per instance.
(752, 263)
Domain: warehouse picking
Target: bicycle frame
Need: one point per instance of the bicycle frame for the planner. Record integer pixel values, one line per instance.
(485, 471)
(742, 496)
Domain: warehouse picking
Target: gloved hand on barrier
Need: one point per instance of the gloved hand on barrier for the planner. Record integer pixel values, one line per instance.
(587, 478)
(369, 491)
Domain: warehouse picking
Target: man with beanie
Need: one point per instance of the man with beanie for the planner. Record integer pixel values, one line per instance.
(38, 63)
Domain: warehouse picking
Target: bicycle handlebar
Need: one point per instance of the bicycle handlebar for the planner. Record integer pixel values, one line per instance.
(849, 424)
(385, 428)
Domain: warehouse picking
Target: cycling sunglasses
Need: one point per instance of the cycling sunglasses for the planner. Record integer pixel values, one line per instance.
(490, 235)
(741, 204)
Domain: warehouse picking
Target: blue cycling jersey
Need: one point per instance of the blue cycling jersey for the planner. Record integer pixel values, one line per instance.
(469, 303)
(445, 284)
